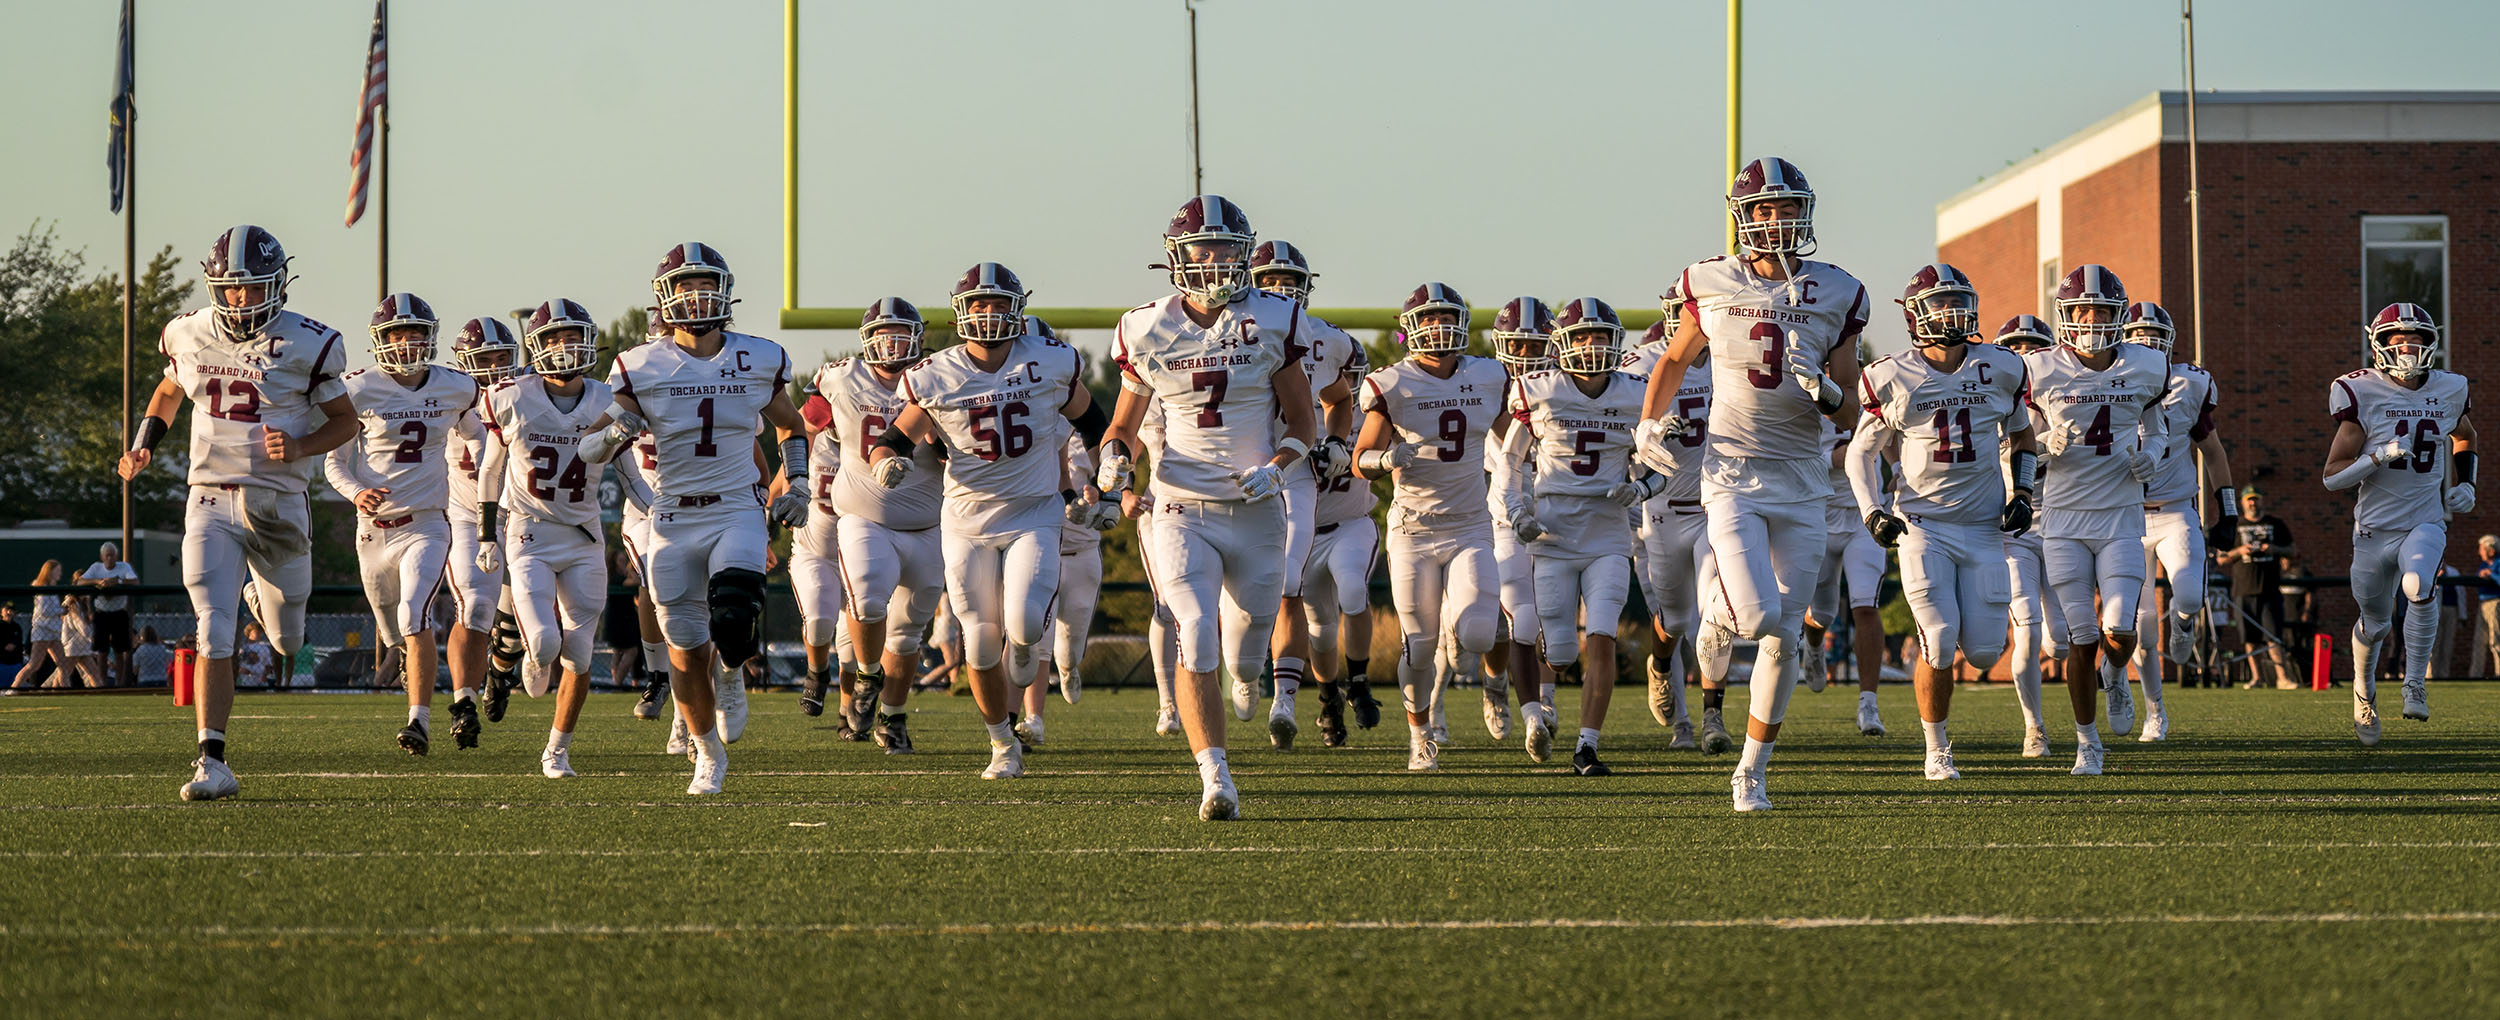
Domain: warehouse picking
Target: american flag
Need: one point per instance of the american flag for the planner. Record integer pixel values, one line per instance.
(370, 106)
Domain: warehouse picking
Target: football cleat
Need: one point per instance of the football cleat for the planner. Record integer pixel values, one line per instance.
(1422, 756)
(2182, 638)
(1167, 720)
(812, 692)
(729, 703)
(555, 764)
(464, 724)
(2121, 703)
(1331, 715)
(1281, 727)
(2087, 759)
(412, 738)
(1584, 761)
(1071, 685)
(1870, 721)
(1540, 731)
(894, 734)
(865, 690)
(1683, 739)
(654, 697)
(1714, 736)
(2365, 712)
(1006, 760)
(1661, 698)
(708, 773)
(2156, 723)
(210, 780)
(1358, 696)
(1029, 732)
(499, 687)
(1940, 765)
(1221, 803)
(1497, 711)
(2035, 742)
(1245, 697)
(1749, 796)
(679, 741)
(2417, 699)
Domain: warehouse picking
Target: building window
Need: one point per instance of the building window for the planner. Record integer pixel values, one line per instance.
(2405, 258)
(2050, 276)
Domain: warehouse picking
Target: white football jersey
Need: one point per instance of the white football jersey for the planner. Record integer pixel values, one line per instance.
(1002, 429)
(2113, 411)
(863, 405)
(1952, 425)
(2187, 408)
(1216, 383)
(464, 449)
(703, 411)
(824, 474)
(403, 438)
(276, 380)
(1757, 408)
(634, 466)
(1347, 497)
(1451, 420)
(1327, 355)
(1583, 443)
(1074, 538)
(544, 476)
(2406, 494)
(1692, 401)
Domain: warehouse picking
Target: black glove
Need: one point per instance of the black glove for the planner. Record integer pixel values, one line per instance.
(2017, 516)
(1885, 527)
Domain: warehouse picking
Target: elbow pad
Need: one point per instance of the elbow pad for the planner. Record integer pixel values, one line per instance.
(897, 441)
(1092, 424)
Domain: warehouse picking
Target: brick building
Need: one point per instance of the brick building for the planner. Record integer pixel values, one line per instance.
(2319, 208)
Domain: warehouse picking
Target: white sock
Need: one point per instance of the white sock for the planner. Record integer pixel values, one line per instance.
(558, 740)
(1545, 693)
(207, 735)
(1757, 756)
(709, 746)
(460, 694)
(1936, 740)
(884, 709)
(2088, 733)
(420, 714)
(655, 656)
(1417, 732)
(1866, 698)
(1002, 731)
(1211, 758)
(1289, 676)
(866, 670)
(1588, 738)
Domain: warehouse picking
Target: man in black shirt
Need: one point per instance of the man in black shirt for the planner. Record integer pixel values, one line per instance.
(12, 645)
(2253, 545)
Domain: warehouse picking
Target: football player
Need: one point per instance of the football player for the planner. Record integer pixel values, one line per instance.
(1425, 423)
(1337, 587)
(1575, 512)
(816, 566)
(486, 350)
(1080, 588)
(1853, 569)
(265, 383)
(1950, 405)
(1162, 634)
(2403, 434)
(893, 559)
(1522, 338)
(1279, 268)
(397, 474)
(1674, 545)
(2035, 626)
(2174, 533)
(2095, 402)
(699, 395)
(1782, 331)
(537, 468)
(1225, 359)
(1002, 402)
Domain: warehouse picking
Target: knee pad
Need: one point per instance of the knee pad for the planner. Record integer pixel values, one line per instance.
(1936, 645)
(983, 645)
(2370, 632)
(818, 632)
(2084, 638)
(870, 608)
(905, 643)
(736, 599)
(1197, 643)
(1476, 631)
(681, 627)
(2415, 588)
(1984, 653)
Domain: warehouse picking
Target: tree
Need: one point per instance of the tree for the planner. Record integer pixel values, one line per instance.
(61, 336)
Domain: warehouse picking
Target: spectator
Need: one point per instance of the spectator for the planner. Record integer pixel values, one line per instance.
(254, 659)
(43, 642)
(80, 664)
(12, 645)
(2486, 649)
(111, 613)
(2253, 546)
(152, 663)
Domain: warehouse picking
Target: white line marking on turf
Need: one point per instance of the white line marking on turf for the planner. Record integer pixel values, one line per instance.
(1451, 799)
(1188, 927)
(1145, 851)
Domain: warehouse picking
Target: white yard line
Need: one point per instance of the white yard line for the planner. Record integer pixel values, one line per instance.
(803, 850)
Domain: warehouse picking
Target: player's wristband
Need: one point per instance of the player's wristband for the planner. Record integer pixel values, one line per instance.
(1299, 448)
(1067, 495)
(151, 432)
(2227, 498)
(486, 521)
(2465, 462)
(2026, 470)
(1373, 462)
(794, 458)
(897, 441)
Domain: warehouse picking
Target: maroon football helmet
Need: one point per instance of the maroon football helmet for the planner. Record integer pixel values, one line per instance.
(2024, 334)
(1588, 337)
(696, 309)
(561, 356)
(1672, 303)
(1772, 179)
(1435, 338)
(2091, 285)
(486, 350)
(2404, 357)
(1206, 248)
(404, 353)
(1035, 326)
(879, 342)
(1523, 335)
(1941, 306)
(2149, 324)
(245, 256)
(989, 279)
(1275, 259)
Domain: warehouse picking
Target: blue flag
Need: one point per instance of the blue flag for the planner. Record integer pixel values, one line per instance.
(125, 87)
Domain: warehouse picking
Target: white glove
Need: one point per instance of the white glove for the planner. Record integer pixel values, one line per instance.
(790, 510)
(1628, 493)
(489, 557)
(1395, 458)
(1106, 516)
(1260, 483)
(1080, 512)
(2392, 454)
(1117, 470)
(1810, 378)
(2460, 498)
(1651, 439)
(1523, 519)
(2061, 437)
(2140, 465)
(1331, 459)
(891, 471)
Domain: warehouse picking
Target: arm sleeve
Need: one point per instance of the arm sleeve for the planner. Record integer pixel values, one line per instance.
(1866, 466)
(345, 467)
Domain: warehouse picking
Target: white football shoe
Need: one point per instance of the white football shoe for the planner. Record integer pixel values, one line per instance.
(1029, 730)
(555, 764)
(2365, 712)
(1167, 720)
(1071, 685)
(729, 704)
(708, 773)
(1006, 760)
(1439, 729)
(2418, 699)
(1540, 731)
(1024, 662)
(2121, 701)
(1221, 803)
(1661, 696)
(2087, 759)
(1281, 727)
(679, 741)
(2035, 742)
(1423, 756)
(2156, 723)
(2182, 638)
(1245, 697)
(1940, 765)
(210, 780)
(1497, 710)
(1870, 721)
(1749, 795)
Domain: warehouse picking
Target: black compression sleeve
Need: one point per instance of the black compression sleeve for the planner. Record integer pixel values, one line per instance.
(1092, 424)
(898, 441)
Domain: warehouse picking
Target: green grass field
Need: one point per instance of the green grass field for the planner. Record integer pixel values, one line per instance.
(2259, 864)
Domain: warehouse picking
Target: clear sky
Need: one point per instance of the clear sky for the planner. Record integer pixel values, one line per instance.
(1557, 148)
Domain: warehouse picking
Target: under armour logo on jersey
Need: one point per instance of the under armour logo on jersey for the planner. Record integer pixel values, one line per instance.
(1970, 386)
(728, 373)
(1467, 387)
(431, 403)
(208, 501)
